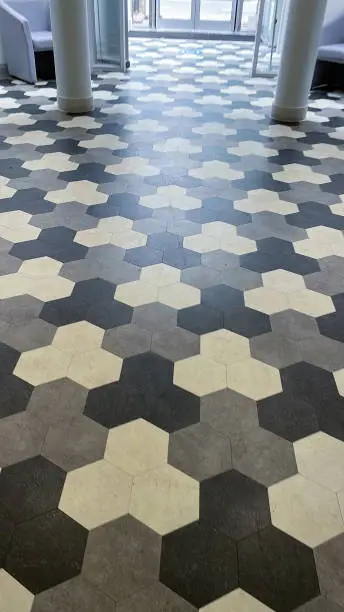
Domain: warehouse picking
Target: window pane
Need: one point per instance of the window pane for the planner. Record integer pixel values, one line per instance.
(216, 10)
(249, 15)
(175, 9)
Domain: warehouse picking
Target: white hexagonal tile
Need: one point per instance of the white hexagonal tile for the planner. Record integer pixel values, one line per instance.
(133, 165)
(96, 494)
(137, 447)
(136, 293)
(320, 458)
(253, 379)
(160, 275)
(78, 337)
(42, 365)
(265, 300)
(225, 347)
(283, 281)
(84, 192)
(321, 242)
(306, 511)
(264, 200)
(165, 499)
(216, 169)
(15, 226)
(179, 295)
(199, 375)
(14, 597)
(94, 368)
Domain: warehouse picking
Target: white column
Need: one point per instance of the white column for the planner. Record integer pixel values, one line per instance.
(72, 56)
(299, 54)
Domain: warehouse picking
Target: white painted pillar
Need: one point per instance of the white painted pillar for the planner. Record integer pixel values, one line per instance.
(72, 56)
(299, 53)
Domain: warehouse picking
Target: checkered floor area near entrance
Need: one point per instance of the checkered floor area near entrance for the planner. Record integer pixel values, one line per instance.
(171, 343)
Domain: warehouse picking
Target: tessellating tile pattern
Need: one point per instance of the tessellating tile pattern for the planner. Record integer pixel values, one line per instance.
(171, 343)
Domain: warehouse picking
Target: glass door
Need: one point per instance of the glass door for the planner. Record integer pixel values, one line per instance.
(268, 35)
(215, 15)
(175, 14)
(109, 24)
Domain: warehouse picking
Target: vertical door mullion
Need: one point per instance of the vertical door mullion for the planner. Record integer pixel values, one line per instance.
(196, 14)
(237, 10)
(154, 10)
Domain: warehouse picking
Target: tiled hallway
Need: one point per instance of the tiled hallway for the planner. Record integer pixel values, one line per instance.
(172, 344)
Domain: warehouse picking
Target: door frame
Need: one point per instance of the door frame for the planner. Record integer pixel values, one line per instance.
(174, 24)
(211, 26)
(118, 62)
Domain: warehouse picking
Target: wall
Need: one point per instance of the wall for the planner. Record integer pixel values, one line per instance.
(334, 8)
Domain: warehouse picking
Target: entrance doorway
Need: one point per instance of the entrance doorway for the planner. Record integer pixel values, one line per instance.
(222, 16)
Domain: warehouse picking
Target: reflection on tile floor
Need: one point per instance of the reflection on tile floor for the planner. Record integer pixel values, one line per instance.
(172, 344)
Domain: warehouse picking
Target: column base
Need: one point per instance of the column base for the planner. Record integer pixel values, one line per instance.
(75, 106)
(288, 115)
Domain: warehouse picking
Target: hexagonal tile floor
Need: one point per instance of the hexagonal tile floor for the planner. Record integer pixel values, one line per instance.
(171, 343)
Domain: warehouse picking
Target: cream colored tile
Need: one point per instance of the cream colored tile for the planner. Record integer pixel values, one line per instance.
(323, 150)
(36, 138)
(338, 209)
(133, 165)
(115, 225)
(47, 288)
(92, 237)
(128, 240)
(96, 494)
(21, 119)
(14, 597)
(179, 295)
(5, 191)
(201, 243)
(42, 365)
(251, 147)
(165, 499)
(104, 141)
(15, 226)
(12, 285)
(243, 113)
(321, 242)
(224, 347)
(283, 281)
(311, 303)
(199, 375)
(146, 125)
(228, 239)
(160, 275)
(306, 511)
(339, 378)
(137, 447)
(263, 200)
(60, 162)
(136, 293)
(216, 169)
(171, 195)
(266, 300)
(155, 97)
(83, 122)
(253, 379)
(180, 145)
(236, 601)
(78, 337)
(94, 368)
(219, 229)
(42, 266)
(84, 192)
(239, 245)
(320, 458)
(214, 128)
(280, 131)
